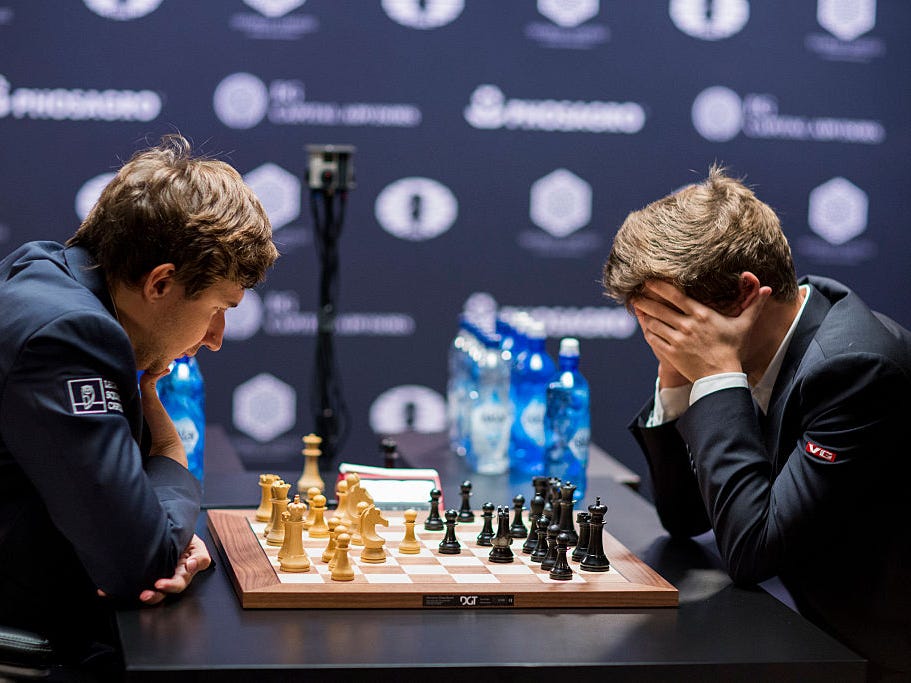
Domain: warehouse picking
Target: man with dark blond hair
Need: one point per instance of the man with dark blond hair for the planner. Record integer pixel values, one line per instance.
(777, 415)
(96, 503)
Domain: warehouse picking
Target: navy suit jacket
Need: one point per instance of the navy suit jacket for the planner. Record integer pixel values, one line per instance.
(81, 509)
(818, 492)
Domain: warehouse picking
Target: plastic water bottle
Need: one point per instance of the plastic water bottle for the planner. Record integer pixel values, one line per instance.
(531, 373)
(183, 395)
(491, 413)
(459, 385)
(567, 422)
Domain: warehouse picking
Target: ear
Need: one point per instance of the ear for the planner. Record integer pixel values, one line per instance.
(749, 290)
(159, 281)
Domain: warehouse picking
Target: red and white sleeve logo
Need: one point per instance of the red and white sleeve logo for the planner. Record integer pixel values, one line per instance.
(820, 452)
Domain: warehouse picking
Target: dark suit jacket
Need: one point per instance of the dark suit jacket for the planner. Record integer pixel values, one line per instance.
(80, 507)
(819, 491)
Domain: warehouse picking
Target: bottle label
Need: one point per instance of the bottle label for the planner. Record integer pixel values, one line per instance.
(189, 433)
(490, 425)
(532, 420)
(579, 444)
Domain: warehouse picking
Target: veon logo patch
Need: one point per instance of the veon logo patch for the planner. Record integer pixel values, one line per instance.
(409, 407)
(560, 203)
(264, 407)
(423, 14)
(274, 8)
(122, 10)
(246, 319)
(89, 193)
(241, 100)
(710, 19)
(838, 211)
(278, 190)
(846, 19)
(820, 452)
(416, 208)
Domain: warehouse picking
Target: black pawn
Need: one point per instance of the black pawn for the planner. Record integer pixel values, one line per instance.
(390, 451)
(595, 559)
(434, 522)
(517, 528)
(555, 507)
(551, 558)
(542, 488)
(566, 512)
(540, 550)
(561, 570)
(465, 513)
(537, 509)
(486, 535)
(582, 518)
(450, 544)
(501, 552)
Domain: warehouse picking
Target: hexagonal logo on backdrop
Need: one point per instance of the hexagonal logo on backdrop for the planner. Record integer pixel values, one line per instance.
(274, 8)
(278, 190)
(264, 407)
(409, 407)
(568, 13)
(846, 19)
(838, 210)
(561, 203)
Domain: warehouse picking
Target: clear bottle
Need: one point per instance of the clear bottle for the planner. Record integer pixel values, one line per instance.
(491, 413)
(567, 421)
(459, 385)
(182, 394)
(532, 371)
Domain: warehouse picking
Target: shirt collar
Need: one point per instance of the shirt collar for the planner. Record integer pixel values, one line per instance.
(762, 391)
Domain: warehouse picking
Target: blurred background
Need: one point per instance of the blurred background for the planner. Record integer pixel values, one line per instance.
(499, 145)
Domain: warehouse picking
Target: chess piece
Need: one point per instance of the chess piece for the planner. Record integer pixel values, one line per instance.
(486, 535)
(501, 552)
(318, 527)
(537, 509)
(292, 557)
(342, 569)
(434, 522)
(390, 453)
(356, 494)
(542, 488)
(264, 511)
(554, 484)
(356, 533)
(551, 558)
(582, 518)
(595, 559)
(450, 544)
(410, 545)
(333, 545)
(312, 493)
(517, 528)
(341, 510)
(465, 513)
(333, 524)
(373, 552)
(566, 512)
(540, 551)
(310, 476)
(279, 505)
(561, 570)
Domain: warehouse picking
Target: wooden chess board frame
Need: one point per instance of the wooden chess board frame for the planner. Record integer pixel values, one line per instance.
(258, 582)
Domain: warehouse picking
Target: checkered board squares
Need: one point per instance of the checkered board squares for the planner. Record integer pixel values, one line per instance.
(428, 579)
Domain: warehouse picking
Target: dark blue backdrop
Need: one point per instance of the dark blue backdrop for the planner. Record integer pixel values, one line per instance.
(499, 146)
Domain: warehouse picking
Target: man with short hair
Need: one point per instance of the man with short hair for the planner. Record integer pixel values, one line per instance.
(96, 503)
(778, 414)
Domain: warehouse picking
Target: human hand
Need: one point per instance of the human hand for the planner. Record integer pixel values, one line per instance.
(195, 559)
(692, 340)
(165, 439)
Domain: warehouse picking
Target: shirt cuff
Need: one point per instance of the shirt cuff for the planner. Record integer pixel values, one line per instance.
(725, 380)
(670, 403)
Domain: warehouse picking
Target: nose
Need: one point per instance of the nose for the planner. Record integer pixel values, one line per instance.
(215, 333)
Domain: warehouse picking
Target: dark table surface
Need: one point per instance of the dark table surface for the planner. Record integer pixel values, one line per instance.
(719, 631)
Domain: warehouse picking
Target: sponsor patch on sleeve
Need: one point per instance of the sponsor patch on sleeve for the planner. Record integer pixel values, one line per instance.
(93, 395)
(820, 452)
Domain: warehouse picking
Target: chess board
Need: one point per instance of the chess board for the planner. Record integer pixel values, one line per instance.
(429, 579)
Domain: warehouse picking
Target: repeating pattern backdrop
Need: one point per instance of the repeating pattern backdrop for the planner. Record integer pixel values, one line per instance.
(499, 145)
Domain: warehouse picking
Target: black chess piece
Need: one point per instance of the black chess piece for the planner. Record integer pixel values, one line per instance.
(390, 451)
(486, 535)
(540, 550)
(501, 552)
(537, 509)
(465, 513)
(517, 529)
(595, 560)
(582, 519)
(542, 488)
(566, 512)
(434, 522)
(551, 558)
(554, 485)
(561, 570)
(450, 544)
